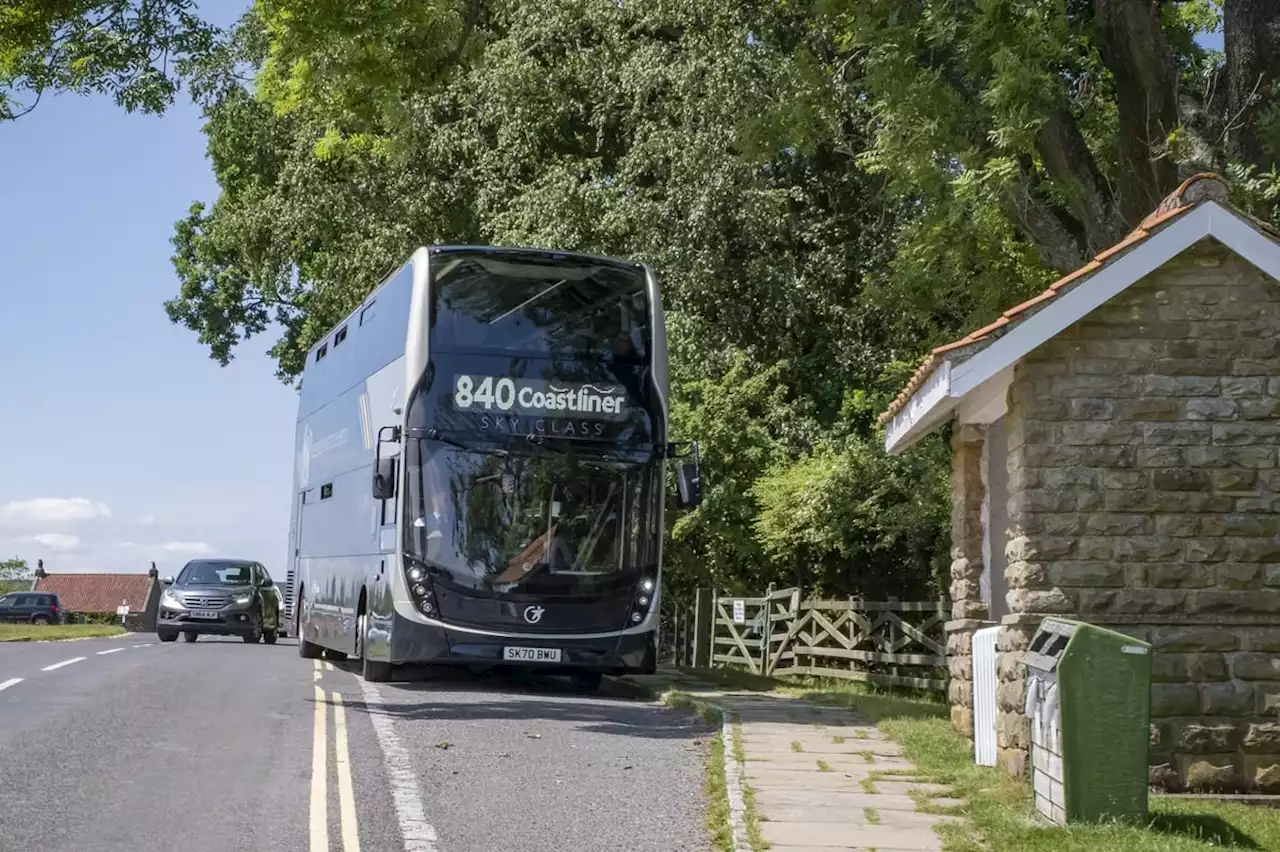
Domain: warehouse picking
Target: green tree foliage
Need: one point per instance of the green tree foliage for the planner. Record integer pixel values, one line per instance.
(129, 50)
(13, 569)
(826, 186)
(654, 131)
(1069, 120)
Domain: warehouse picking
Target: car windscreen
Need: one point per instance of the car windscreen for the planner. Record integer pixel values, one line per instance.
(216, 574)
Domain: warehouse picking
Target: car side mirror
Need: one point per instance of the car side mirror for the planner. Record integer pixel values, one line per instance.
(384, 479)
(689, 484)
(168, 581)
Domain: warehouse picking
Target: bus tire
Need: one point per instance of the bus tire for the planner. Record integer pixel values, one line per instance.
(589, 681)
(375, 671)
(306, 650)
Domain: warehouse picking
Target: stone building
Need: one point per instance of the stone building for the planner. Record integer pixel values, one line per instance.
(1115, 459)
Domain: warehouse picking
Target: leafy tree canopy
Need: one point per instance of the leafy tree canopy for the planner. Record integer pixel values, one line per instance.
(13, 569)
(827, 187)
(129, 50)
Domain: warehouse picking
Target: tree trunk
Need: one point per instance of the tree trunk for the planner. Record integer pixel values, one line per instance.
(1251, 36)
(1135, 50)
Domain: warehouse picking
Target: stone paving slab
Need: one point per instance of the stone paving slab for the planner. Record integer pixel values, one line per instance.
(801, 807)
(830, 835)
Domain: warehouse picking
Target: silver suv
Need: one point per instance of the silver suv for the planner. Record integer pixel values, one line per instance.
(220, 597)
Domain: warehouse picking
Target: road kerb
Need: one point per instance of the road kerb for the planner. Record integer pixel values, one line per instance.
(738, 837)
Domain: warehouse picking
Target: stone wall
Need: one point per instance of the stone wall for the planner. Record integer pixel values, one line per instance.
(968, 610)
(1143, 453)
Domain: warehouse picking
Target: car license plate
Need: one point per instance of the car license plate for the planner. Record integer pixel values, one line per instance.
(203, 613)
(531, 655)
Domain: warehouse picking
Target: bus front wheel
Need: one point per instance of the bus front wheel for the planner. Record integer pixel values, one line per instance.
(376, 671)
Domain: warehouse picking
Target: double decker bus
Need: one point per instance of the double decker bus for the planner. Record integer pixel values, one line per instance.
(479, 477)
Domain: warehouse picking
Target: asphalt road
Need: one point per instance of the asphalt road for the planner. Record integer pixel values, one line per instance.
(128, 744)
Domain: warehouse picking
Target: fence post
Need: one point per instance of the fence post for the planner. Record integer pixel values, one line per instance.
(704, 613)
(766, 635)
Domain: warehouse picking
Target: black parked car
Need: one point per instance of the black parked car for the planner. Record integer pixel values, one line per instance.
(220, 597)
(31, 607)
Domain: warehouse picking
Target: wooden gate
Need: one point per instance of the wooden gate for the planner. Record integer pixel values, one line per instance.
(755, 633)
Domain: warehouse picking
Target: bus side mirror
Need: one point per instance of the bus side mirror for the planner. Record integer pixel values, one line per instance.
(689, 484)
(384, 479)
(384, 469)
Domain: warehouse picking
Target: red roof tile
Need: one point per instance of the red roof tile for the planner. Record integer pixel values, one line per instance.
(97, 592)
(1192, 191)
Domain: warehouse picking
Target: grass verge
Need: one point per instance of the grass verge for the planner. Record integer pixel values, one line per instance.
(749, 813)
(45, 632)
(718, 812)
(997, 812)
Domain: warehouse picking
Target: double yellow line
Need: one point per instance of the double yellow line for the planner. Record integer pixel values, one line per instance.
(320, 772)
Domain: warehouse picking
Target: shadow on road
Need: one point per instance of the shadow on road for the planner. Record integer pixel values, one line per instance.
(526, 697)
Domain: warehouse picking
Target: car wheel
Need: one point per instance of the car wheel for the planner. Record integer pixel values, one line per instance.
(167, 637)
(39, 619)
(190, 636)
(254, 636)
(270, 636)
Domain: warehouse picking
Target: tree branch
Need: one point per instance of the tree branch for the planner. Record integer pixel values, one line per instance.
(1134, 48)
(1071, 164)
(1251, 36)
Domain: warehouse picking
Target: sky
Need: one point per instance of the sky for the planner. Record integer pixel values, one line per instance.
(121, 441)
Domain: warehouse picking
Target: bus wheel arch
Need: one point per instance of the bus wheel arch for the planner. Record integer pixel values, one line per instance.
(306, 650)
(362, 627)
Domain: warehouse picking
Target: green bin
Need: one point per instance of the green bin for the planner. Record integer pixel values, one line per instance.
(1089, 704)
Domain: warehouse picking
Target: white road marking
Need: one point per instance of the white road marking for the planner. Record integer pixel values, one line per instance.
(319, 779)
(13, 681)
(56, 666)
(419, 835)
(112, 651)
(346, 789)
(144, 645)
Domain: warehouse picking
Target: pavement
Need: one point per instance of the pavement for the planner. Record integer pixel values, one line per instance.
(125, 743)
(824, 779)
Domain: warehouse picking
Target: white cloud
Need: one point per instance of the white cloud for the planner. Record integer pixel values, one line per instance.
(57, 541)
(188, 548)
(147, 520)
(53, 510)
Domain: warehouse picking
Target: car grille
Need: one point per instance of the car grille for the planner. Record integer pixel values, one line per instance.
(205, 601)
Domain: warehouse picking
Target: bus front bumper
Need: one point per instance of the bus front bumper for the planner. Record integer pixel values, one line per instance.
(628, 653)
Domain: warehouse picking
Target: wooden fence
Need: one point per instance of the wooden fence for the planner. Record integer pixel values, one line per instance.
(890, 643)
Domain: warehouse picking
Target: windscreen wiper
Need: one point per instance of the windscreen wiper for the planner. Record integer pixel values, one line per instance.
(437, 435)
(541, 441)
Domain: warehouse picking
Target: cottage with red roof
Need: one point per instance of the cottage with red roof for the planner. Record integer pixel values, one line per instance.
(103, 593)
(1116, 458)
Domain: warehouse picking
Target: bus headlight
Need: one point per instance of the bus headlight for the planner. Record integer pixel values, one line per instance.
(428, 607)
(415, 574)
(646, 584)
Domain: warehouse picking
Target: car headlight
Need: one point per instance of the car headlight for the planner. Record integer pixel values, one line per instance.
(243, 599)
(169, 598)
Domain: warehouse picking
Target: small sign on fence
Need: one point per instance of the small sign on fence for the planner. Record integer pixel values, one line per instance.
(739, 612)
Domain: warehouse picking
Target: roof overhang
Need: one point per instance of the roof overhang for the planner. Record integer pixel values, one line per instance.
(975, 387)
